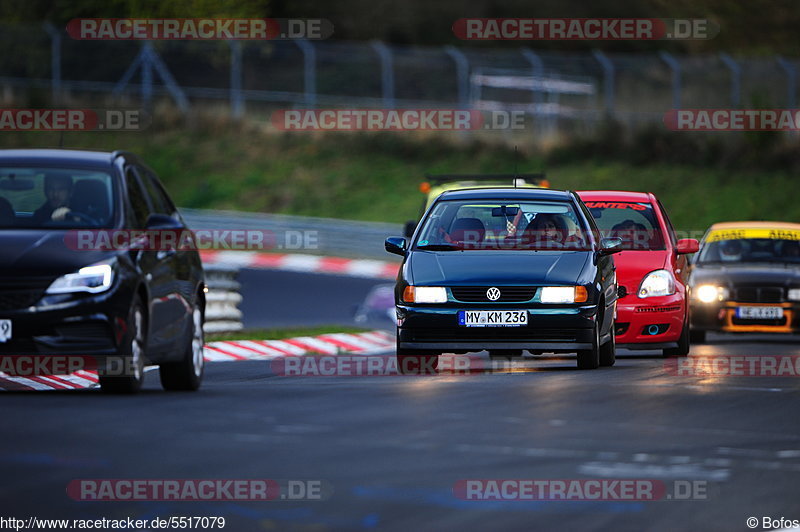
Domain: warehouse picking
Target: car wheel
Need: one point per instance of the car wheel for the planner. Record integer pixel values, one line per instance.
(590, 358)
(416, 362)
(187, 374)
(608, 351)
(128, 376)
(683, 344)
(697, 336)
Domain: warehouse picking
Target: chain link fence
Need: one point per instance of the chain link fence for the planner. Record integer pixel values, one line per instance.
(41, 65)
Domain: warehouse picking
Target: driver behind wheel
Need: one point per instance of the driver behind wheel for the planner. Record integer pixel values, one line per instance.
(57, 191)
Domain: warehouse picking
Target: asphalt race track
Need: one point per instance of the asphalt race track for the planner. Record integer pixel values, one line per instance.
(391, 448)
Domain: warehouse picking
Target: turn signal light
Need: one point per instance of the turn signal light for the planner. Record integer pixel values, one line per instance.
(581, 296)
(424, 187)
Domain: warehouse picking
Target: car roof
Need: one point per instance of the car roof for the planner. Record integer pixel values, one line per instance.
(755, 225)
(58, 156)
(506, 193)
(614, 195)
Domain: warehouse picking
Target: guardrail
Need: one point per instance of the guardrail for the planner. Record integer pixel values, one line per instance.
(222, 299)
(340, 238)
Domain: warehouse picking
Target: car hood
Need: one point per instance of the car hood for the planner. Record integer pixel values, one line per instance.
(633, 265)
(496, 267)
(41, 254)
(765, 274)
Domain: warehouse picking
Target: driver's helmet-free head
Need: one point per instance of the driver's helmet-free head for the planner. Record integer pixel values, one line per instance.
(730, 250)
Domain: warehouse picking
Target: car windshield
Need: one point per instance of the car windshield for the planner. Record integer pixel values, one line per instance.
(502, 225)
(59, 198)
(634, 223)
(750, 250)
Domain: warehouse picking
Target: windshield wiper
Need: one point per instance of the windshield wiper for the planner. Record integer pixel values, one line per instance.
(440, 247)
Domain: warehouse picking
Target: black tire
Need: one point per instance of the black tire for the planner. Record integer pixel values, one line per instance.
(608, 351)
(416, 362)
(684, 344)
(187, 374)
(697, 336)
(590, 358)
(128, 375)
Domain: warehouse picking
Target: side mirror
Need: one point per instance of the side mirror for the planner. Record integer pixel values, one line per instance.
(408, 228)
(162, 221)
(396, 245)
(687, 245)
(610, 245)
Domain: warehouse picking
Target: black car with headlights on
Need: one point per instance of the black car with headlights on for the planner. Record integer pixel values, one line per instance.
(746, 278)
(505, 270)
(79, 277)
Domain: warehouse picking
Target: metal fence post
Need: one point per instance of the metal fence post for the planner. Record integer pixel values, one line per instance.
(237, 102)
(309, 72)
(147, 76)
(608, 80)
(791, 81)
(675, 66)
(537, 66)
(55, 61)
(736, 78)
(387, 73)
(462, 75)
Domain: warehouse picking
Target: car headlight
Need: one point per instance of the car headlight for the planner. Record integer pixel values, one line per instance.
(425, 294)
(563, 294)
(709, 293)
(93, 279)
(657, 283)
(794, 294)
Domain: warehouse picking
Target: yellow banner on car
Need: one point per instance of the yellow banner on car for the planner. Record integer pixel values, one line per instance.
(737, 234)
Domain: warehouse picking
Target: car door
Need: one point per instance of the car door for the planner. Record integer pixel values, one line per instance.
(181, 271)
(154, 266)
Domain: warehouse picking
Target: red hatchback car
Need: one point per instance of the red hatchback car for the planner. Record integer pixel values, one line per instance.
(652, 309)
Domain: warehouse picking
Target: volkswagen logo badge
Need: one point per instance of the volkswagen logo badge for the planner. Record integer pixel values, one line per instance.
(493, 294)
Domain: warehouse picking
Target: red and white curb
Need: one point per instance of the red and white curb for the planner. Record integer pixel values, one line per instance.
(365, 343)
(299, 262)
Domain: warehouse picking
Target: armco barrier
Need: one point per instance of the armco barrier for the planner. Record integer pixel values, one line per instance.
(326, 236)
(222, 299)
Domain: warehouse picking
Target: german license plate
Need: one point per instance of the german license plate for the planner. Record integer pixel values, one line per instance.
(759, 313)
(492, 318)
(5, 330)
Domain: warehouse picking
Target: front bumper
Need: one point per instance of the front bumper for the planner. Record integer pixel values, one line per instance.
(87, 325)
(561, 329)
(650, 322)
(722, 317)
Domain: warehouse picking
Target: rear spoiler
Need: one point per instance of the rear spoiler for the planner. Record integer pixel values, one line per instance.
(533, 179)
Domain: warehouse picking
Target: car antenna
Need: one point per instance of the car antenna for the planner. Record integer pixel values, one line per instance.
(516, 153)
